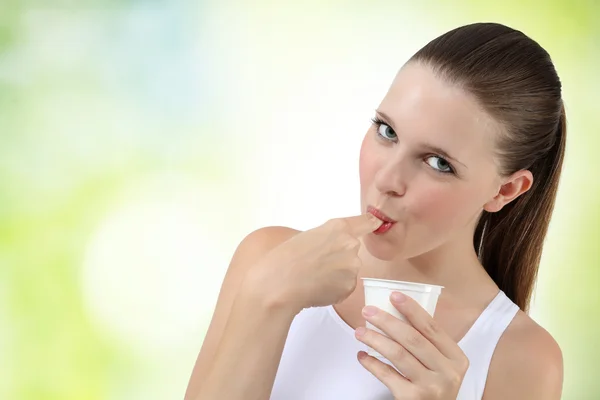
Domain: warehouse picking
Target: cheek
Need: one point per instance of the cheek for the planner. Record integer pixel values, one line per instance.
(367, 163)
(442, 205)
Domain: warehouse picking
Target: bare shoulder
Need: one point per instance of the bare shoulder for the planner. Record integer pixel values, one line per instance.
(262, 240)
(251, 248)
(527, 364)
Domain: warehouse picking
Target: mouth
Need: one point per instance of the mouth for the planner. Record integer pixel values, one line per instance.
(387, 221)
(380, 215)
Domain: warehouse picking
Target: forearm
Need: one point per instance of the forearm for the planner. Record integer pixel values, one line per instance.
(250, 350)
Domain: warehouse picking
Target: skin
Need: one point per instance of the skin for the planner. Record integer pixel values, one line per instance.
(437, 215)
(431, 243)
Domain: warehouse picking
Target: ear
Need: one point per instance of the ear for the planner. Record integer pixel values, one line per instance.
(514, 186)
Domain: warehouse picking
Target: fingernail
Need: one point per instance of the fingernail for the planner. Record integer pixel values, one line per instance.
(398, 297)
(361, 355)
(369, 311)
(361, 330)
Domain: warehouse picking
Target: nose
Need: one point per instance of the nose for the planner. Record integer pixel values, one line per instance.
(391, 179)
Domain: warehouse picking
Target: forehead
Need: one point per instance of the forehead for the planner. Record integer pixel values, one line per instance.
(425, 108)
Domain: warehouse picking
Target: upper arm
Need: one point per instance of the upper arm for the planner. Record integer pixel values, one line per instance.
(250, 250)
(527, 365)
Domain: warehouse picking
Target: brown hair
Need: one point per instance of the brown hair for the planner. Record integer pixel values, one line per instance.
(515, 81)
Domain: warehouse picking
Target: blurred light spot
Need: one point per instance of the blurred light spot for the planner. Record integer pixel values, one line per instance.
(152, 267)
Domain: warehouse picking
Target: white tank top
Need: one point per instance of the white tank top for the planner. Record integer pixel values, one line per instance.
(319, 358)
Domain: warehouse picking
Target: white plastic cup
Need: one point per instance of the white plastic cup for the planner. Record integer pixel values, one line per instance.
(378, 292)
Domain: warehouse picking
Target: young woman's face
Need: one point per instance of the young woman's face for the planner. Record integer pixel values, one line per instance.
(428, 163)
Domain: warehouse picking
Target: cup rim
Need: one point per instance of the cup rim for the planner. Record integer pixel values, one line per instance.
(414, 284)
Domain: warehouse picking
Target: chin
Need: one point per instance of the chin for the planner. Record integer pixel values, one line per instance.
(381, 249)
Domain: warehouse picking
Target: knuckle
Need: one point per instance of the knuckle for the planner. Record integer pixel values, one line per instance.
(399, 353)
(388, 373)
(414, 339)
(464, 364)
(351, 285)
(453, 380)
(350, 242)
(431, 328)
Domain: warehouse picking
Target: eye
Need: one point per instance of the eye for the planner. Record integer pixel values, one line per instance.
(440, 164)
(384, 130)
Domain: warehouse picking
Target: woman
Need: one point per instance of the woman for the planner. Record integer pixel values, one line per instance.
(460, 167)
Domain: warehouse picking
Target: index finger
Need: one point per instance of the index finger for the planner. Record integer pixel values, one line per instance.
(362, 224)
(420, 319)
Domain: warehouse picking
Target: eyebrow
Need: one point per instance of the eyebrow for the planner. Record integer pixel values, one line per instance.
(429, 147)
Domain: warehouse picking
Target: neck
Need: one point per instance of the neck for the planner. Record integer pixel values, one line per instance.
(453, 265)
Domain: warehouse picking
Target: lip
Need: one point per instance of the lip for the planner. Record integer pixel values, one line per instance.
(379, 214)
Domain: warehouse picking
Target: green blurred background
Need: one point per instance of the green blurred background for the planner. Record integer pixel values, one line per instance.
(141, 140)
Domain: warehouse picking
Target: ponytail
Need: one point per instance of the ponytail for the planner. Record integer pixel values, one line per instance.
(509, 242)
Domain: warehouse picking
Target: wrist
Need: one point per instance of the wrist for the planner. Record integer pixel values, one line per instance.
(268, 297)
